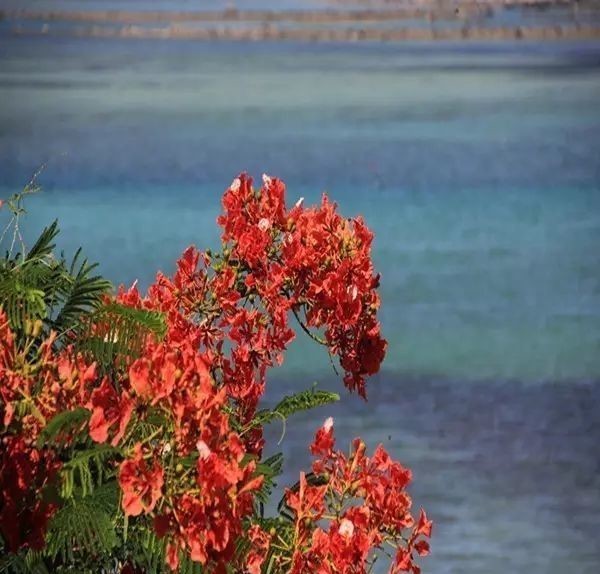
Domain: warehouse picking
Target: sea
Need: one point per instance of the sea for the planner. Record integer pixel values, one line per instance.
(478, 168)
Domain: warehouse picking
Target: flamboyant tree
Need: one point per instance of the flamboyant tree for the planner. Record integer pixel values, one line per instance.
(132, 433)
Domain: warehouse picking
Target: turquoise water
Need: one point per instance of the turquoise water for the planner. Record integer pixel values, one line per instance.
(477, 167)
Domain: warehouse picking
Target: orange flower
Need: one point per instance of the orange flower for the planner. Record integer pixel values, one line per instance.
(141, 484)
(109, 410)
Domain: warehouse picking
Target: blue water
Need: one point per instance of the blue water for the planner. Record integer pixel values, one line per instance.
(478, 170)
(477, 167)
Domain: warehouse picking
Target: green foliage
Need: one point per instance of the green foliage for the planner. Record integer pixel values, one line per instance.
(62, 424)
(147, 550)
(29, 562)
(84, 526)
(21, 301)
(38, 286)
(79, 293)
(86, 469)
(44, 245)
(115, 334)
(270, 468)
(283, 531)
(302, 401)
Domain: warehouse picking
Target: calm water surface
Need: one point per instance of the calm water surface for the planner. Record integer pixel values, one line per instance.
(477, 167)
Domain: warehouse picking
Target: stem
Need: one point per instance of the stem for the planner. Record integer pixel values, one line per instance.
(307, 330)
(153, 435)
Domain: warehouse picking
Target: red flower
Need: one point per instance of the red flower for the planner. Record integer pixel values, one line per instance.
(141, 484)
(308, 502)
(109, 410)
(24, 473)
(424, 526)
(260, 541)
(371, 350)
(324, 440)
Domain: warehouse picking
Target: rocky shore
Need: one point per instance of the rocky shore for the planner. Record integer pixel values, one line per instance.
(379, 21)
(312, 35)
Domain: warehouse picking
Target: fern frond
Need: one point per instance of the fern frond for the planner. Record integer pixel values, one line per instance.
(28, 562)
(86, 470)
(270, 468)
(80, 295)
(80, 527)
(117, 332)
(63, 424)
(21, 301)
(44, 245)
(148, 551)
(188, 566)
(107, 497)
(303, 401)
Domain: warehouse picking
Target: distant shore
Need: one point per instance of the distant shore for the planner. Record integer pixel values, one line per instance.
(423, 21)
(267, 33)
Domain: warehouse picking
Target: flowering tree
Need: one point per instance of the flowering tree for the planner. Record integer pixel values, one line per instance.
(132, 438)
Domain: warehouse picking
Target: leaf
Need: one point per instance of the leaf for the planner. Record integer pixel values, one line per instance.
(44, 245)
(81, 294)
(116, 332)
(63, 423)
(21, 300)
(303, 401)
(148, 551)
(27, 562)
(88, 468)
(81, 527)
(270, 468)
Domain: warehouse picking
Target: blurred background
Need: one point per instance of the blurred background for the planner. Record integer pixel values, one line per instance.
(468, 136)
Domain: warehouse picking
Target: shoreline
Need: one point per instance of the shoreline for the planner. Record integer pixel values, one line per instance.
(315, 35)
(421, 22)
(448, 12)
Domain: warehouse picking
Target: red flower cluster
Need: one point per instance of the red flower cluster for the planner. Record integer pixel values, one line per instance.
(310, 261)
(200, 508)
(24, 474)
(141, 484)
(39, 384)
(181, 413)
(365, 503)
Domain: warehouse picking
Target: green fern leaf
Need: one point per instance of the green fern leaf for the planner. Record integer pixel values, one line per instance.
(81, 294)
(115, 332)
(147, 550)
(86, 470)
(81, 527)
(27, 562)
(303, 401)
(62, 424)
(44, 245)
(21, 301)
(270, 468)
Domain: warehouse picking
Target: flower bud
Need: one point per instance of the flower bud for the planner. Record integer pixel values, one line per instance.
(37, 328)
(346, 528)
